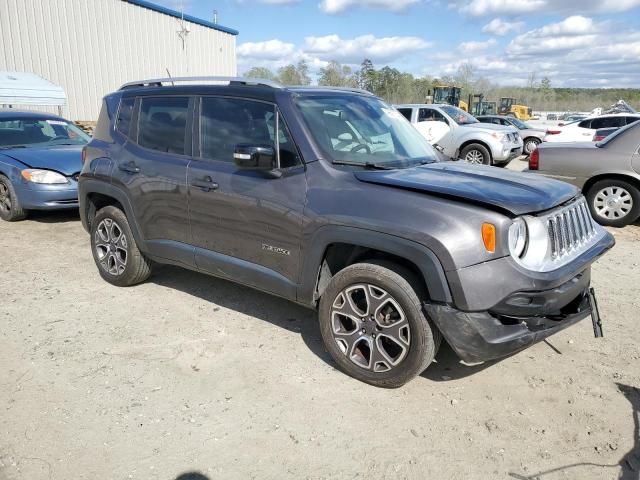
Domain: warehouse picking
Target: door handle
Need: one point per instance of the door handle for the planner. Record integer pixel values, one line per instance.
(129, 167)
(207, 184)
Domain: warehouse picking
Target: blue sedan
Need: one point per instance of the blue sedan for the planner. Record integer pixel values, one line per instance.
(40, 159)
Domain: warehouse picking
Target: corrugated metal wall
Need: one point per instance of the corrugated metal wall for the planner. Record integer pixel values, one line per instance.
(91, 47)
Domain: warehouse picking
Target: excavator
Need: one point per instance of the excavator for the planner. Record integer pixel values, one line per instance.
(510, 107)
(450, 95)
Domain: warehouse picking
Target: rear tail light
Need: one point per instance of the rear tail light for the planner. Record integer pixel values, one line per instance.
(553, 132)
(598, 138)
(534, 160)
(84, 155)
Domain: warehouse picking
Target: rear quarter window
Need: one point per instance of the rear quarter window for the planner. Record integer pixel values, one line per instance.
(125, 112)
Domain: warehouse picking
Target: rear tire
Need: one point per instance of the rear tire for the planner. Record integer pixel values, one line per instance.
(476, 154)
(374, 325)
(613, 202)
(10, 208)
(117, 256)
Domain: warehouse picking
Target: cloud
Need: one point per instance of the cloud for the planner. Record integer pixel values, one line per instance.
(500, 27)
(469, 48)
(269, 50)
(575, 52)
(279, 2)
(333, 7)
(332, 47)
(480, 8)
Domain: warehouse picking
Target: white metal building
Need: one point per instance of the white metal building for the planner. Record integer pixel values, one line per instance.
(91, 47)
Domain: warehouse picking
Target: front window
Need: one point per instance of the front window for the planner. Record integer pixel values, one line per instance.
(459, 116)
(33, 132)
(364, 131)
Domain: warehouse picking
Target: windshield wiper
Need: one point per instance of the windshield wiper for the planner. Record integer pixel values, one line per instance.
(367, 165)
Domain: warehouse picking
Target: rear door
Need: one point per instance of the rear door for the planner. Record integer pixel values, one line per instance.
(153, 167)
(245, 225)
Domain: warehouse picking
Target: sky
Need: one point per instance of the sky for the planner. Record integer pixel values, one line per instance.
(575, 43)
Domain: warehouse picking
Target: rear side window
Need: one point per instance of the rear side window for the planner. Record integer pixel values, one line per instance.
(608, 122)
(163, 124)
(406, 113)
(585, 124)
(631, 120)
(227, 122)
(125, 112)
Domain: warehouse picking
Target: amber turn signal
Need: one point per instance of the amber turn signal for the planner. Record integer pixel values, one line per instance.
(489, 237)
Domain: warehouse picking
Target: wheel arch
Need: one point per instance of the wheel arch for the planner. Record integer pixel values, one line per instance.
(335, 248)
(633, 180)
(479, 142)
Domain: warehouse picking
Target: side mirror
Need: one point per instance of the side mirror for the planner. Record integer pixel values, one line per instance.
(255, 157)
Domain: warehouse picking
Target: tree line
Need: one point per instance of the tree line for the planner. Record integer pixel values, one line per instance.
(395, 86)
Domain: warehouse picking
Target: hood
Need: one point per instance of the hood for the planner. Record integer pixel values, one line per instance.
(491, 127)
(515, 192)
(66, 159)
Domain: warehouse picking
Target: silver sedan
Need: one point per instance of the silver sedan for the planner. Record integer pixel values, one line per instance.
(531, 137)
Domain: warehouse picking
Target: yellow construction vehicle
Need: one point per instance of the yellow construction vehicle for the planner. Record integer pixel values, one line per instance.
(450, 95)
(512, 108)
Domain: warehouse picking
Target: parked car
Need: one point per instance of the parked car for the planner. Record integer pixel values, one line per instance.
(552, 116)
(573, 118)
(331, 199)
(603, 133)
(40, 159)
(460, 135)
(607, 172)
(583, 130)
(531, 137)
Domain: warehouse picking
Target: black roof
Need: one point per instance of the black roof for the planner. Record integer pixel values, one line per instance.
(11, 114)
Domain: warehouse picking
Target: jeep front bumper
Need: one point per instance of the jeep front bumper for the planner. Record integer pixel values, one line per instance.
(523, 319)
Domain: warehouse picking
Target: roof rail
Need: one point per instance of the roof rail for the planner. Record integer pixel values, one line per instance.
(158, 82)
(328, 87)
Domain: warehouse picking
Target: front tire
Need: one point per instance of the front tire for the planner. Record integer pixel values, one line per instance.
(530, 144)
(374, 326)
(10, 208)
(117, 256)
(614, 203)
(476, 154)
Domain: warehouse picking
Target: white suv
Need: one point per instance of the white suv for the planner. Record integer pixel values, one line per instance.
(461, 136)
(584, 130)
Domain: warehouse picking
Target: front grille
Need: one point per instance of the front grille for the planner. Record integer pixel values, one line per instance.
(570, 229)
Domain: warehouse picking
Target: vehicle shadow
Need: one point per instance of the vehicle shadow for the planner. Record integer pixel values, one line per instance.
(192, 476)
(247, 301)
(54, 216)
(629, 464)
(447, 366)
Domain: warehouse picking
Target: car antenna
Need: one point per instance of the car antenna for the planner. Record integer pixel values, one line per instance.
(169, 75)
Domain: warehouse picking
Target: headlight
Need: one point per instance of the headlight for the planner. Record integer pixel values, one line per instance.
(499, 136)
(43, 176)
(518, 236)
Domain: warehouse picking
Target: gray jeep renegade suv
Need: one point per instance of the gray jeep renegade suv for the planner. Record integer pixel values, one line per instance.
(331, 199)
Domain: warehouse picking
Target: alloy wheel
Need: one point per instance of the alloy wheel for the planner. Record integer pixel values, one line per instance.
(613, 203)
(530, 146)
(5, 198)
(370, 327)
(111, 247)
(474, 156)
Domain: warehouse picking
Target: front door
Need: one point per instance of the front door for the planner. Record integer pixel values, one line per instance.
(246, 225)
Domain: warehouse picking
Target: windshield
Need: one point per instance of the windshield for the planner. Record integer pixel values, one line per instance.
(610, 138)
(459, 116)
(32, 132)
(364, 131)
(519, 123)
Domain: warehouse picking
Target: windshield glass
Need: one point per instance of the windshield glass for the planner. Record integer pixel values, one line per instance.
(459, 116)
(610, 138)
(32, 132)
(364, 130)
(519, 124)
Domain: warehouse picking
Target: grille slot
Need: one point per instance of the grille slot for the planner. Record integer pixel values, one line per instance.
(570, 229)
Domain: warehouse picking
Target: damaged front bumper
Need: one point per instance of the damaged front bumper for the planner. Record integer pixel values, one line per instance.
(522, 319)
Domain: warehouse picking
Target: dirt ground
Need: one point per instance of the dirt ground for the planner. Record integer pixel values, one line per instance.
(187, 373)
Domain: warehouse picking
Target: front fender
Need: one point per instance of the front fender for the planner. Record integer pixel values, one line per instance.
(426, 261)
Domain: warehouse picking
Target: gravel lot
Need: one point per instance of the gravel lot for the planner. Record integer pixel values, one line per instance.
(189, 373)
